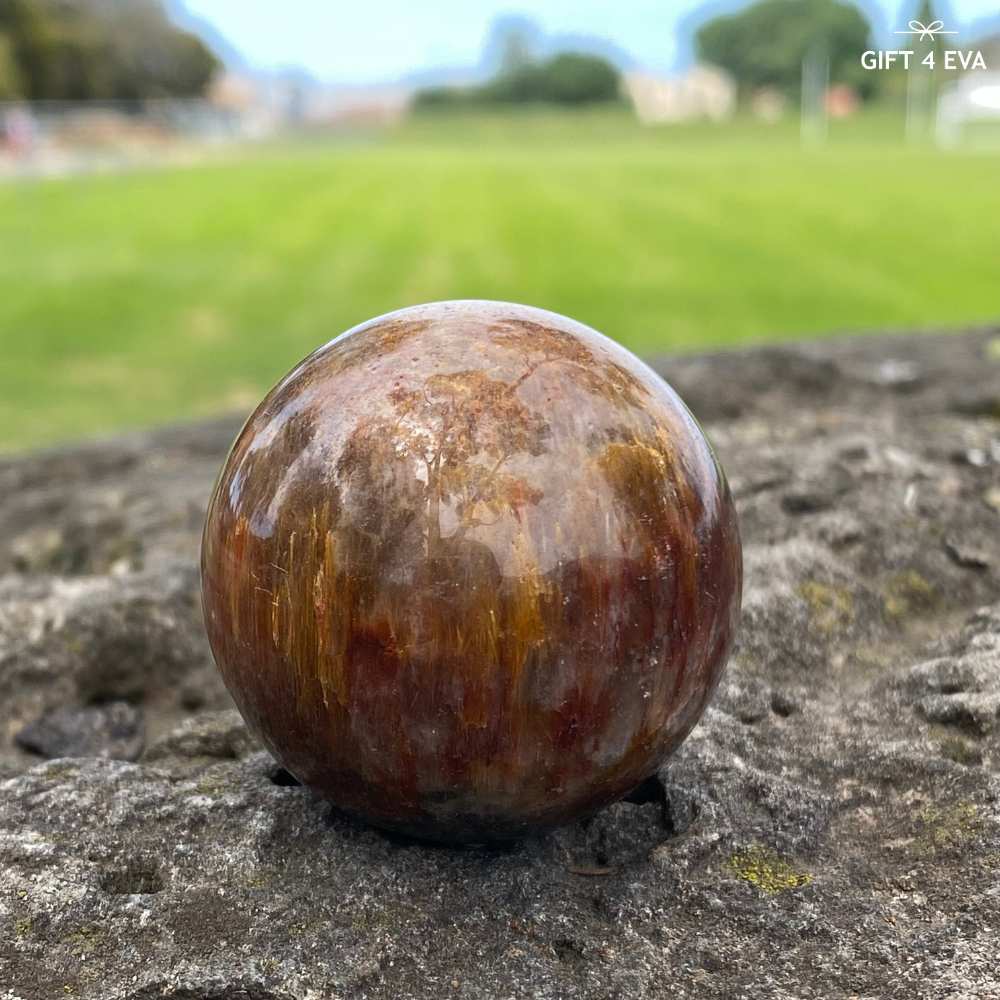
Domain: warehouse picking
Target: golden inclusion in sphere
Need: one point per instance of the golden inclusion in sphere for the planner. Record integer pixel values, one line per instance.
(471, 570)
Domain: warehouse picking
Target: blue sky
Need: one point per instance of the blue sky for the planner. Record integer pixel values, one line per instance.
(371, 41)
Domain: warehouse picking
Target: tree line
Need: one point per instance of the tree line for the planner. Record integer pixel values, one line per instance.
(566, 78)
(762, 45)
(70, 50)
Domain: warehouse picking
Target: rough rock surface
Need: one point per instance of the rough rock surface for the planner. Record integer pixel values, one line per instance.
(831, 829)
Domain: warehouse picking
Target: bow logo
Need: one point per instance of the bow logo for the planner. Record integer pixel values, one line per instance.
(926, 31)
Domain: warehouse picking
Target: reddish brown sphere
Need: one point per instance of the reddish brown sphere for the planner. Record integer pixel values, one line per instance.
(471, 570)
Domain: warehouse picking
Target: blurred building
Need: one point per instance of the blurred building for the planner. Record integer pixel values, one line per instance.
(972, 99)
(358, 107)
(263, 105)
(703, 92)
(841, 101)
(768, 104)
(68, 137)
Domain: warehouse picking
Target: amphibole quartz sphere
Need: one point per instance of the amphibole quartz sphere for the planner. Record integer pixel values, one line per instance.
(471, 570)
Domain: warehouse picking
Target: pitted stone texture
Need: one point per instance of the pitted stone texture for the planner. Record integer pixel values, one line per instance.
(831, 829)
(111, 730)
(961, 688)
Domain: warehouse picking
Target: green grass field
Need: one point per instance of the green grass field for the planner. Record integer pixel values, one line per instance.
(158, 295)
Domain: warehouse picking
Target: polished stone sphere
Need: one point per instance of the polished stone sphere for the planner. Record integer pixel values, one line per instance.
(471, 570)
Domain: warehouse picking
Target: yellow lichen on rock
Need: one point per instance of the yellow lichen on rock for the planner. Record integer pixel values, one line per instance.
(767, 870)
(947, 827)
(830, 607)
(905, 593)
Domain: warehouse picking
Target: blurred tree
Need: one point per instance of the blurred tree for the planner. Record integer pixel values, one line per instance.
(765, 44)
(433, 98)
(101, 50)
(30, 37)
(10, 75)
(572, 78)
(566, 78)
